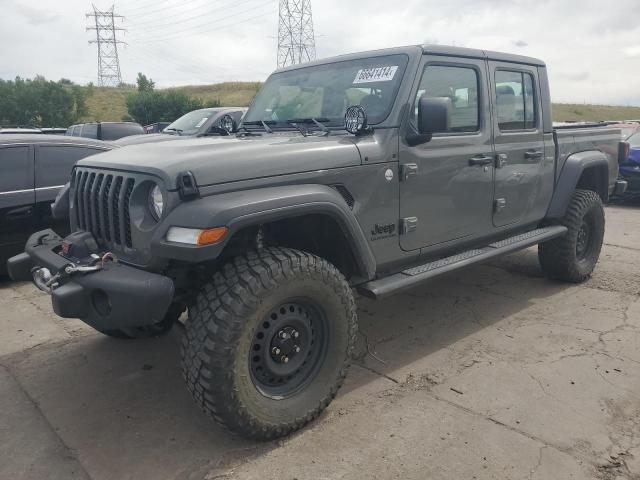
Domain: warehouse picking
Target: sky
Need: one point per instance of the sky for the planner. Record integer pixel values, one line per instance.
(591, 47)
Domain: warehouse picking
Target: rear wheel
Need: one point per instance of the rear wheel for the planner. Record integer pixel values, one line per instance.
(573, 257)
(268, 341)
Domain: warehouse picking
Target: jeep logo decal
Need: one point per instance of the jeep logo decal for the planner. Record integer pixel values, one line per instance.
(380, 231)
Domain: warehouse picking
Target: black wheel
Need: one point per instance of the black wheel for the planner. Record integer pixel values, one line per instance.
(150, 331)
(268, 341)
(573, 257)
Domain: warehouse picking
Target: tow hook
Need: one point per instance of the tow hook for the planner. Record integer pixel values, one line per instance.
(47, 282)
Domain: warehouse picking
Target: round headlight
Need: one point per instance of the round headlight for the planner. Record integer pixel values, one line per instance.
(228, 124)
(355, 120)
(156, 202)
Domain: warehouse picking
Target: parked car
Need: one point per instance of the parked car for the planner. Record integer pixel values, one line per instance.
(630, 169)
(377, 171)
(157, 127)
(33, 168)
(105, 130)
(199, 123)
(13, 129)
(53, 130)
(627, 128)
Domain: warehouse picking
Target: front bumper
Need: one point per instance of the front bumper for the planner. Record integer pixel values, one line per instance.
(116, 296)
(632, 176)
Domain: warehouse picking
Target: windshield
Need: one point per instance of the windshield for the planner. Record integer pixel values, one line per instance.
(324, 92)
(190, 123)
(627, 131)
(634, 140)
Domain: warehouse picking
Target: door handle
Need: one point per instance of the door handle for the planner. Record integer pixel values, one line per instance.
(481, 160)
(533, 154)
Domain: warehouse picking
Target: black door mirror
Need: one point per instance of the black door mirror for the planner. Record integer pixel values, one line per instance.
(434, 116)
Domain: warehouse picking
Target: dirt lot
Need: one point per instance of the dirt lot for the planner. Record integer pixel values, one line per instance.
(492, 372)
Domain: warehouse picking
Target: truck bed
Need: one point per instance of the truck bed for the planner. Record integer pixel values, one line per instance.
(572, 139)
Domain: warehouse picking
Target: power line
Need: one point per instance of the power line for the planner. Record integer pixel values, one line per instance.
(193, 31)
(108, 62)
(296, 39)
(152, 26)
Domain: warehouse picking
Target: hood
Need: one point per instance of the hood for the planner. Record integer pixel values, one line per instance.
(216, 160)
(147, 138)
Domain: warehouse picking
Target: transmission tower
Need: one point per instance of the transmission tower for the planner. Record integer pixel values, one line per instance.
(108, 63)
(296, 40)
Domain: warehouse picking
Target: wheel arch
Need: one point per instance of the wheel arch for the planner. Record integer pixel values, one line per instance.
(587, 170)
(304, 210)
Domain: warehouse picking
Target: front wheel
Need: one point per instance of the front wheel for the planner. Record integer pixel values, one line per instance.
(573, 257)
(268, 341)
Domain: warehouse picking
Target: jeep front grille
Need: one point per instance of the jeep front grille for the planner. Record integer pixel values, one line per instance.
(102, 206)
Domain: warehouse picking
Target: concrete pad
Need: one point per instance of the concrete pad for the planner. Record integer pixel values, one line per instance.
(29, 448)
(24, 323)
(123, 407)
(408, 435)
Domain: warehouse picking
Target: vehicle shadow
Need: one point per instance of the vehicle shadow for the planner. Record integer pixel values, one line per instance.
(122, 407)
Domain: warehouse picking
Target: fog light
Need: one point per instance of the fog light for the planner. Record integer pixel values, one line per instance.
(194, 236)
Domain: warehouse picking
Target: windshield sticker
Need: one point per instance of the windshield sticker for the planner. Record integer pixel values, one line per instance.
(378, 74)
(201, 122)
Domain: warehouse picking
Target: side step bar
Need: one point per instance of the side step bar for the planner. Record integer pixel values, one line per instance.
(413, 276)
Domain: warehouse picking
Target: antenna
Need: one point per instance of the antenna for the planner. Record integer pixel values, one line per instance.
(296, 39)
(108, 61)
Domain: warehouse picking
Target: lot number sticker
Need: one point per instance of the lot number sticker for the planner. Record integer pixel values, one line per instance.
(378, 74)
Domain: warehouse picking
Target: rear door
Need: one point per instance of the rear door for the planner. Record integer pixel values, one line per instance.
(17, 196)
(53, 167)
(446, 188)
(519, 141)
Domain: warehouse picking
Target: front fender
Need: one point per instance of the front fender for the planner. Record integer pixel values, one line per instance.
(570, 175)
(238, 210)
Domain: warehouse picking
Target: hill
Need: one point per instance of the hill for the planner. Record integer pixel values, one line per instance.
(106, 104)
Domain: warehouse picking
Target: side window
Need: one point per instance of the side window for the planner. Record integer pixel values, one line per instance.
(515, 100)
(460, 85)
(56, 161)
(16, 169)
(90, 130)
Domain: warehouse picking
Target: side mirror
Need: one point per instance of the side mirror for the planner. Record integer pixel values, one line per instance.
(434, 116)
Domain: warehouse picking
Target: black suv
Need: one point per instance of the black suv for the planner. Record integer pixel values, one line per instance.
(33, 169)
(105, 130)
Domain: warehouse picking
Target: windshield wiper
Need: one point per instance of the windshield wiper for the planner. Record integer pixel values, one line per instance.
(312, 121)
(177, 130)
(261, 123)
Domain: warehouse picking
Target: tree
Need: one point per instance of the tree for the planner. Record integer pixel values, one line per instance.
(40, 102)
(145, 84)
(149, 106)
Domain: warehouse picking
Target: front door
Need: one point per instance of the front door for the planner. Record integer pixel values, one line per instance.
(519, 141)
(446, 188)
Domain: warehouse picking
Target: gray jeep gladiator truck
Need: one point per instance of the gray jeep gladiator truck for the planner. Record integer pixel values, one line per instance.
(371, 172)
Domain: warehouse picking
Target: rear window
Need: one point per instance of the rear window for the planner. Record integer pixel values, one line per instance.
(114, 131)
(634, 140)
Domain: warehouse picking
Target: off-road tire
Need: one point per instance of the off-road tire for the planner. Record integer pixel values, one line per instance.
(559, 257)
(220, 333)
(150, 331)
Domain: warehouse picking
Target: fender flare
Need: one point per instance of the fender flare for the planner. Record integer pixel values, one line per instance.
(568, 179)
(246, 208)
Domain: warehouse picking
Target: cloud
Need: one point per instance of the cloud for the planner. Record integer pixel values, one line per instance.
(589, 58)
(35, 16)
(632, 52)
